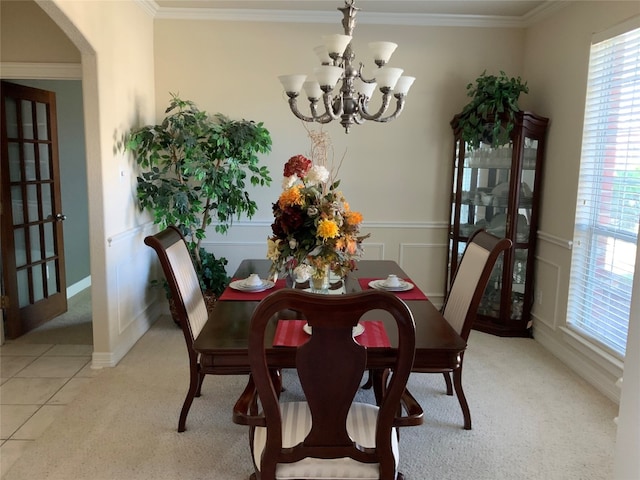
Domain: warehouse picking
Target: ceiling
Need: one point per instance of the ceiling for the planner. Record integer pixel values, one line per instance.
(514, 12)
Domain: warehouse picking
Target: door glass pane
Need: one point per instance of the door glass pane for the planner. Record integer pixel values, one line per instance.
(43, 128)
(11, 118)
(15, 173)
(49, 244)
(23, 288)
(45, 171)
(32, 203)
(37, 283)
(20, 247)
(34, 238)
(52, 281)
(16, 205)
(27, 120)
(29, 161)
(47, 211)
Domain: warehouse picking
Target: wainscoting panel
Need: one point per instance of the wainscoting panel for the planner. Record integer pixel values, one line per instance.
(545, 308)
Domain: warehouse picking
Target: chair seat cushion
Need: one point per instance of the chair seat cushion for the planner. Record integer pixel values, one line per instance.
(296, 424)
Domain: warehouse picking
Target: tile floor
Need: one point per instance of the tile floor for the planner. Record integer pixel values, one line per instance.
(37, 381)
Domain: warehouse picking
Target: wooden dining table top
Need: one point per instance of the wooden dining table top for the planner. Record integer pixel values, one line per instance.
(223, 341)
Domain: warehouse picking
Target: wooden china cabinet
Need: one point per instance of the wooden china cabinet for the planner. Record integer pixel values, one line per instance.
(498, 188)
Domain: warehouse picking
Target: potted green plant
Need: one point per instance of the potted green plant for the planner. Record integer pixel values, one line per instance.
(194, 169)
(489, 117)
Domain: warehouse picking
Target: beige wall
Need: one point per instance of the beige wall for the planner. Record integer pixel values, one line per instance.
(116, 44)
(556, 64)
(396, 174)
(26, 25)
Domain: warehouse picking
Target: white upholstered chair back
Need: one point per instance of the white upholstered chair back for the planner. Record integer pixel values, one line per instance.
(464, 285)
(189, 286)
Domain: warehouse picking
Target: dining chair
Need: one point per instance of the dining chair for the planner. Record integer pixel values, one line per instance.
(328, 435)
(190, 308)
(462, 302)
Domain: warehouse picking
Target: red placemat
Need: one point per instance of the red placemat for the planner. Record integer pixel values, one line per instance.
(289, 333)
(414, 294)
(232, 294)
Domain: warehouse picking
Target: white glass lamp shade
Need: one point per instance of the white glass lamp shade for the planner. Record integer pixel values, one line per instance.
(328, 75)
(403, 85)
(365, 88)
(323, 55)
(382, 50)
(388, 76)
(312, 89)
(292, 83)
(336, 43)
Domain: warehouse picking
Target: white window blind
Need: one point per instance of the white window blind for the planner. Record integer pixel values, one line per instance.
(608, 210)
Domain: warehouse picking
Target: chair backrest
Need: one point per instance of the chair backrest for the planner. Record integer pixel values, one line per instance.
(330, 367)
(471, 279)
(182, 279)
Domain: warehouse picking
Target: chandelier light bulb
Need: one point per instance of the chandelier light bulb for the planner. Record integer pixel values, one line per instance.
(312, 89)
(323, 55)
(382, 51)
(336, 44)
(328, 75)
(403, 85)
(292, 83)
(388, 76)
(365, 89)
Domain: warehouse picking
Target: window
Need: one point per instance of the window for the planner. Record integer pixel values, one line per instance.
(608, 210)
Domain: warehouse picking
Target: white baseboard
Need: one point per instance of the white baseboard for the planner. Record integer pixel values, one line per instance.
(78, 287)
(605, 384)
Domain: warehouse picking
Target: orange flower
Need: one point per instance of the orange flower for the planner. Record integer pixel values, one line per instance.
(289, 197)
(352, 246)
(353, 218)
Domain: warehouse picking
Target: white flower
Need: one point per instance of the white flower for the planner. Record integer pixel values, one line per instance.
(317, 174)
(302, 272)
(293, 243)
(288, 182)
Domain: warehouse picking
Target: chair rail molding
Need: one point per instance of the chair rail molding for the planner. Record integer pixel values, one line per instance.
(558, 241)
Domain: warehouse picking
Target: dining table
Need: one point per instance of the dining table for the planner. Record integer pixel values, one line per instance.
(223, 341)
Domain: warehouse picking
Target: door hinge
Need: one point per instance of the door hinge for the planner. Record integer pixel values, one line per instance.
(4, 301)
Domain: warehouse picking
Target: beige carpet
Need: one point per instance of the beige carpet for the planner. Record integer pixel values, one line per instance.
(532, 419)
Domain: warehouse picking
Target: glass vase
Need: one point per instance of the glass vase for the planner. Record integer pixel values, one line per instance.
(320, 279)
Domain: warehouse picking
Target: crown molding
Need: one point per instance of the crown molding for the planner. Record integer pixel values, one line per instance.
(35, 71)
(370, 18)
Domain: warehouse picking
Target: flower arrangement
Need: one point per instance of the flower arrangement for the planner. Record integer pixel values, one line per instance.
(314, 228)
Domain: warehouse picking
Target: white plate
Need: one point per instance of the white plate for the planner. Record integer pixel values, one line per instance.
(381, 285)
(243, 287)
(357, 330)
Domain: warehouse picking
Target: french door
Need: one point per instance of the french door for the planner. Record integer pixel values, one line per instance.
(33, 275)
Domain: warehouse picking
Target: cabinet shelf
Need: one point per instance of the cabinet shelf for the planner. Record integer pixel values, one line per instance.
(498, 189)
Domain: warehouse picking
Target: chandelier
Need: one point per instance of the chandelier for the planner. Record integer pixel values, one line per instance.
(350, 104)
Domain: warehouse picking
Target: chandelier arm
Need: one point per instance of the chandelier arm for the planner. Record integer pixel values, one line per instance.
(330, 110)
(364, 112)
(293, 104)
(399, 108)
(358, 120)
